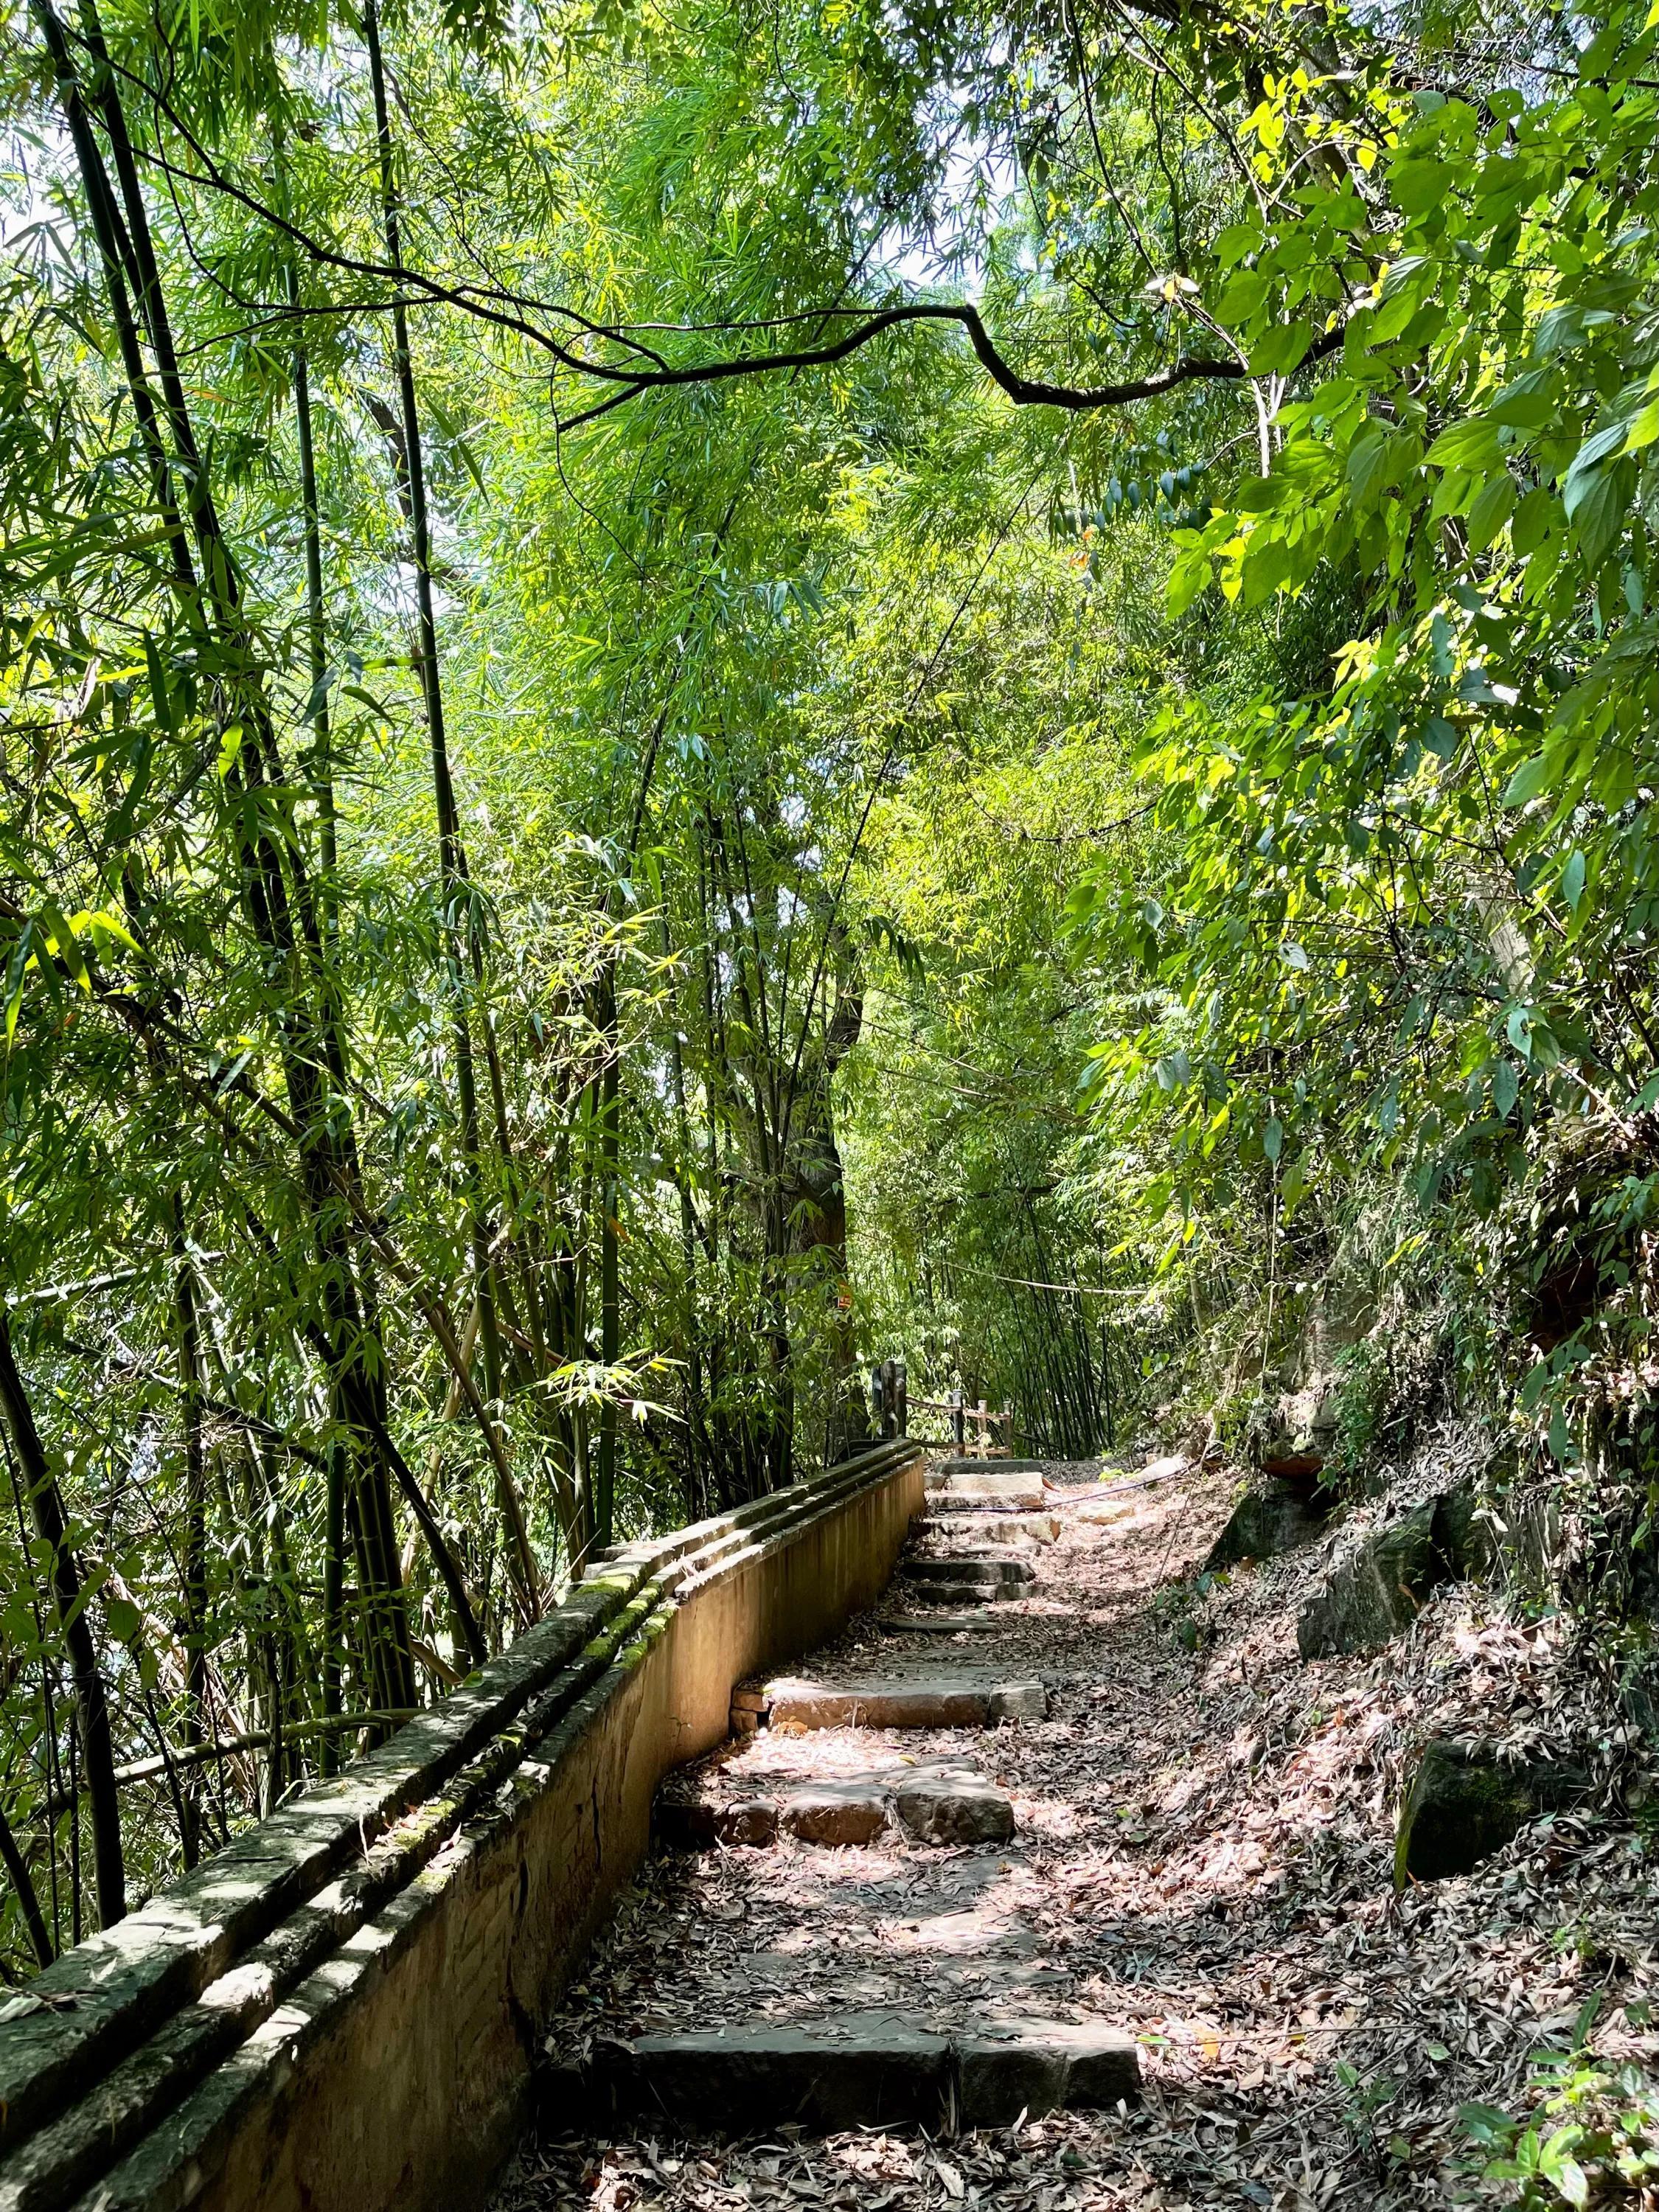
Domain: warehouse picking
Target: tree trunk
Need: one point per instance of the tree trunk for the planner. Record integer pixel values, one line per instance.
(28, 1902)
(307, 1042)
(322, 766)
(610, 1289)
(195, 1545)
(91, 1705)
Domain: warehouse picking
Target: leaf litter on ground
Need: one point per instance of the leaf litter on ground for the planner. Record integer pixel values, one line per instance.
(1204, 1857)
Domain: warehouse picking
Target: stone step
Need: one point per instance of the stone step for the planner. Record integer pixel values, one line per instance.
(698, 1826)
(936, 1701)
(1025, 1490)
(966, 1463)
(981, 1568)
(857, 2071)
(1006, 1527)
(981, 1595)
(937, 1624)
(932, 1804)
(945, 1807)
(955, 1504)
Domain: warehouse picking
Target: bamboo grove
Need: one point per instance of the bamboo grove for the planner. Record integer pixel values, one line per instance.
(690, 698)
(318, 1368)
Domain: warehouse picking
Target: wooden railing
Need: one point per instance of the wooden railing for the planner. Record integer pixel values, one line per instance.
(891, 1405)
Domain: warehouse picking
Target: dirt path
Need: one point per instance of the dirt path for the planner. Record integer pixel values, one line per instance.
(1202, 1856)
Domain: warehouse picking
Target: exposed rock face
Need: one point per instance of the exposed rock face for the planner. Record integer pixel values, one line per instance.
(1379, 1581)
(1102, 1512)
(1465, 1803)
(1200, 1440)
(1275, 1514)
(1463, 1537)
(1294, 1433)
(1295, 1438)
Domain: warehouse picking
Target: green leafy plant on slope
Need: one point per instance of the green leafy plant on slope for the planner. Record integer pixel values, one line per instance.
(1593, 2140)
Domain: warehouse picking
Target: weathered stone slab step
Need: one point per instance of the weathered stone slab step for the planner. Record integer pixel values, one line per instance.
(999, 1486)
(984, 1568)
(848, 1811)
(937, 1624)
(876, 2070)
(958, 1583)
(936, 1701)
(952, 1503)
(954, 1808)
(981, 1594)
(932, 1804)
(699, 1826)
(967, 1463)
(1000, 1528)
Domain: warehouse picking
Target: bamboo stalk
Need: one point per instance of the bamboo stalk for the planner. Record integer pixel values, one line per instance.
(92, 1706)
(177, 1757)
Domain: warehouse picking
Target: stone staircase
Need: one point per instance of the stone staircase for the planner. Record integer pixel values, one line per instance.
(340, 2011)
(871, 1764)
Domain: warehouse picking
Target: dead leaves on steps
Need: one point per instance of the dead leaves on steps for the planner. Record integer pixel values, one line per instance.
(1204, 1858)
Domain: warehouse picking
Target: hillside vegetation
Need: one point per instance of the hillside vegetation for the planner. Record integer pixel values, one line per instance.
(693, 697)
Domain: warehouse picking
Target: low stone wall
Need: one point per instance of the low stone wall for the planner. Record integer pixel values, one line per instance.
(342, 2008)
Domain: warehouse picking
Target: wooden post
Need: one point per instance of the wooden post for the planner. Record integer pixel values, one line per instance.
(889, 1398)
(982, 1431)
(878, 1402)
(1008, 1427)
(957, 1423)
(902, 1398)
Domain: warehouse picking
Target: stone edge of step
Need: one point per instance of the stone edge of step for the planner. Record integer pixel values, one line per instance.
(980, 1699)
(939, 1804)
(892, 2070)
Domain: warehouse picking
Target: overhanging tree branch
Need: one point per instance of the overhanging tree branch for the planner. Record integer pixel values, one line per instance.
(1024, 390)
(648, 369)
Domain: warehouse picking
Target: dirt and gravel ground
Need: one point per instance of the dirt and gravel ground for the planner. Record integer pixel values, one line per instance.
(1203, 1858)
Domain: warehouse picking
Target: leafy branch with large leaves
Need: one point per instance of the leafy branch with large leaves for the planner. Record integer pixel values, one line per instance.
(1411, 924)
(1450, 843)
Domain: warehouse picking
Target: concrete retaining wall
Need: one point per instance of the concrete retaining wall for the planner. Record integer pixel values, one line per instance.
(340, 2013)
